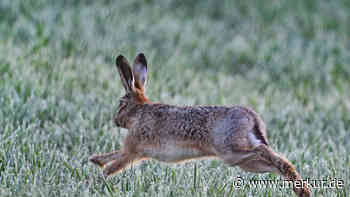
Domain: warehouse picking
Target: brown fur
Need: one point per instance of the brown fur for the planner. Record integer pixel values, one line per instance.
(235, 134)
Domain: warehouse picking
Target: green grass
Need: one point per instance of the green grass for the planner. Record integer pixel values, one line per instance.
(59, 89)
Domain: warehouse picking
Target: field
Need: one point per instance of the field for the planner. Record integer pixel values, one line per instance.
(59, 89)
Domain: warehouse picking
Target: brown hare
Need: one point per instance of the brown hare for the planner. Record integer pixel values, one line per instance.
(168, 133)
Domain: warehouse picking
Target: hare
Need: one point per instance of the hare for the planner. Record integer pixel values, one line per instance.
(168, 133)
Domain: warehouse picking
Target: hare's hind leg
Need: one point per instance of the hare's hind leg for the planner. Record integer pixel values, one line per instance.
(103, 159)
(258, 166)
(239, 157)
(285, 168)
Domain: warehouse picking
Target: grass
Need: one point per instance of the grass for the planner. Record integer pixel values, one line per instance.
(288, 60)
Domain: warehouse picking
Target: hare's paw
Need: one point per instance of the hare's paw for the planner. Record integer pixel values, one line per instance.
(97, 160)
(107, 172)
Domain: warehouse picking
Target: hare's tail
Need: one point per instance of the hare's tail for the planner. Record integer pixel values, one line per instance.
(288, 171)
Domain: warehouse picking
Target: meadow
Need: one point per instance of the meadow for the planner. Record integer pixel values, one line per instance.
(59, 89)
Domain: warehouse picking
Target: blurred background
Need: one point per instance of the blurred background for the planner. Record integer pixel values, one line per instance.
(288, 60)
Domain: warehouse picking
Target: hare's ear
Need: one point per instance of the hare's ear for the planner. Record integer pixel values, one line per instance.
(140, 71)
(125, 73)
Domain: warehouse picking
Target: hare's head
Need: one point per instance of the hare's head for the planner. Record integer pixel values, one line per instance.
(133, 81)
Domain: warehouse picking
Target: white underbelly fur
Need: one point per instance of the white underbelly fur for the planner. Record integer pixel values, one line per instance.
(172, 152)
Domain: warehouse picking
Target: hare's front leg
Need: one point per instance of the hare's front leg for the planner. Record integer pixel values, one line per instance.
(103, 159)
(124, 159)
(130, 153)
